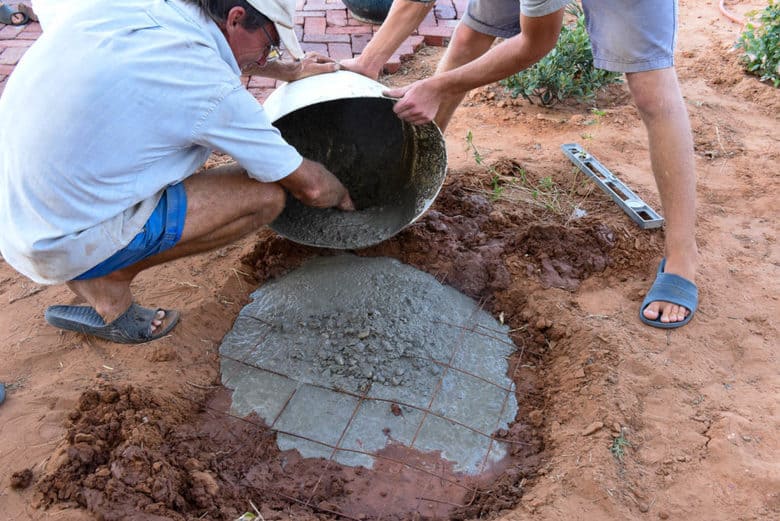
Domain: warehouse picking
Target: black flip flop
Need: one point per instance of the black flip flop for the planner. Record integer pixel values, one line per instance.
(134, 326)
(10, 17)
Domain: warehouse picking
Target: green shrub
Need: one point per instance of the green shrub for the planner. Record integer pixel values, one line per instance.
(761, 44)
(566, 72)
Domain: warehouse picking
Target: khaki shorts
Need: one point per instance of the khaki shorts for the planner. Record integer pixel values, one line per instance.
(627, 36)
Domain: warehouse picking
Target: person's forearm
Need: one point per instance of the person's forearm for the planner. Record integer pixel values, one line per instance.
(402, 19)
(509, 57)
(313, 185)
(284, 70)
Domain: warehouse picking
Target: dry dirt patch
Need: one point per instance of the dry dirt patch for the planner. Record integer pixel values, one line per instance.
(695, 409)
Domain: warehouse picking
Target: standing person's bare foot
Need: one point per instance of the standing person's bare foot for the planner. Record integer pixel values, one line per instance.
(671, 301)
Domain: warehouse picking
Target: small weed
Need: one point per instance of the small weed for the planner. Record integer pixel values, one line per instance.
(565, 72)
(586, 135)
(598, 112)
(760, 41)
(497, 188)
(470, 145)
(516, 187)
(618, 448)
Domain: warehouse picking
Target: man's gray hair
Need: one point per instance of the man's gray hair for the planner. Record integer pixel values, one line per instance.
(218, 10)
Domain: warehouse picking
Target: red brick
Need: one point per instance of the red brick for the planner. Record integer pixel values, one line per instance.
(322, 6)
(415, 42)
(436, 41)
(340, 51)
(261, 82)
(351, 20)
(461, 6)
(392, 65)
(10, 31)
(430, 19)
(326, 38)
(445, 12)
(426, 31)
(29, 36)
(12, 55)
(298, 20)
(336, 18)
(350, 29)
(315, 47)
(6, 69)
(15, 43)
(298, 32)
(32, 27)
(314, 26)
(299, 4)
(309, 14)
(359, 42)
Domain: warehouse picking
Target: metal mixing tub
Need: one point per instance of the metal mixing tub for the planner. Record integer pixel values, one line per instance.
(392, 169)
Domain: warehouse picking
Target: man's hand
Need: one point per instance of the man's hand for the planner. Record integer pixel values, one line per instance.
(311, 64)
(418, 103)
(314, 185)
(357, 66)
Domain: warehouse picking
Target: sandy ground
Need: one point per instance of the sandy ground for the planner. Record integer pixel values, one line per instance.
(622, 421)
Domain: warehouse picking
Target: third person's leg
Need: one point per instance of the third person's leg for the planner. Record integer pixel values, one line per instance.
(660, 103)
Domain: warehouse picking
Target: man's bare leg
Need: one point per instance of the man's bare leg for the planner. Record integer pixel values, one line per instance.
(657, 95)
(466, 45)
(223, 205)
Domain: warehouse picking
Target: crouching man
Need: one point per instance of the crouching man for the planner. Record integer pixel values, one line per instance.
(103, 125)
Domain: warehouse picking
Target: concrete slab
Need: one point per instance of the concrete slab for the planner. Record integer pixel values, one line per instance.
(357, 353)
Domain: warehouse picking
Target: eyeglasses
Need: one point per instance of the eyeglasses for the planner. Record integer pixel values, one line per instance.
(272, 52)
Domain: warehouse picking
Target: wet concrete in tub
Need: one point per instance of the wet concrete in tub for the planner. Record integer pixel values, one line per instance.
(392, 170)
(347, 355)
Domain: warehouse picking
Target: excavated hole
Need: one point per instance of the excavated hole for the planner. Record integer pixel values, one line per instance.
(133, 453)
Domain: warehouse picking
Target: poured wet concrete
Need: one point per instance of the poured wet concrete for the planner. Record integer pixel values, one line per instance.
(392, 169)
(347, 355)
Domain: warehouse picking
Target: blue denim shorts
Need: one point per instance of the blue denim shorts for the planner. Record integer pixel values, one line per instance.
(161, 232)
(631, 36)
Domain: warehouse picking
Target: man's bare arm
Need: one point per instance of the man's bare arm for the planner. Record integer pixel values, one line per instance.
(420, 101)
(291, 70)
(402, 19)
(314, 185)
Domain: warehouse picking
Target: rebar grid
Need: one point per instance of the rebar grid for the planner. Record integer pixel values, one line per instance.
(363, 397)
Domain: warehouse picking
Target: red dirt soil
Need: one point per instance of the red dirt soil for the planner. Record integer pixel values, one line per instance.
(617, 420)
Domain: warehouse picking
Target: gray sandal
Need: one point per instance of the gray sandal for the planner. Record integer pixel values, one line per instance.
(134, 326)
(10, 17)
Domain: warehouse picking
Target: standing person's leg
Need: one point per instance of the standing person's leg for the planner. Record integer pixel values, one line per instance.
(660, 103)
(640, 42)
(484, 21)
(466, 45)
(221, 205)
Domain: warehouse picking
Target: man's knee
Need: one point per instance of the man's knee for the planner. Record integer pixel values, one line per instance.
(270, 201)
(655, 93)
(468, 44)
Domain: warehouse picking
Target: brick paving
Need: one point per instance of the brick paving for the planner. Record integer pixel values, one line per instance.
(324, 26)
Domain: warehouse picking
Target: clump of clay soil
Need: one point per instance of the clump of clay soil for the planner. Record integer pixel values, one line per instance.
(21, 479)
